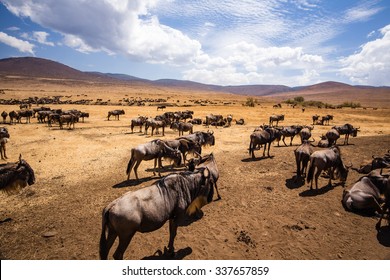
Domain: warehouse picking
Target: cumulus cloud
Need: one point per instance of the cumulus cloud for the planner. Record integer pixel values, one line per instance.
(245, 63)
(112, 26)
(371, 64)
(41, 37)
(21, 45)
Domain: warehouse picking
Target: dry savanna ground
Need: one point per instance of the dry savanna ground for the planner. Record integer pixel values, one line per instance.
(263, 214)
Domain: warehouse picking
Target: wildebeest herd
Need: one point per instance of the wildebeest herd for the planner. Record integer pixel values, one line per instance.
(179, 196)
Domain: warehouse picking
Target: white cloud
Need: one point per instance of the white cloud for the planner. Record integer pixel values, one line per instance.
(371, 64)
(13, 28)
(112, 26)
(362, 12)
(22, 46)
(41, 37)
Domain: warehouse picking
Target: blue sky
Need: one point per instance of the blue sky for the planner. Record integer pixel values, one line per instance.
(231, 42)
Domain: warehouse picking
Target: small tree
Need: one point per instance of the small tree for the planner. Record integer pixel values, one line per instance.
(299, 99)
(250, 102)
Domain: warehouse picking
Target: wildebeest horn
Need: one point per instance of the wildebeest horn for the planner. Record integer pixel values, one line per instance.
(20, 157)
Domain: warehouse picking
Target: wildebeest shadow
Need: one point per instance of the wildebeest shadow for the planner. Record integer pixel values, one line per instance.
(294, 182)
(383, 235)
(320, 190)
(132, 182)
(256, 159)
(179, 255)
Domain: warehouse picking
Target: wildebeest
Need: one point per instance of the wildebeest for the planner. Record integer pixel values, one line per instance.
(156, 150)
(267, 136)
(275, 118)
(240, 122)
(69, 119)
(305, 133)
(4, 115)
(155, 124)
(376, 163)
(302, 157)
(185, 146)
(315, 118)
(229, 119)
(195, 121)
(201, 137)
(4, 136)
(330, 160)
(323, 143)
(182, 127)
(346, 129)
(115, 113)
(213, 119)
(290, 131)
(332, 135)
(15, 176)
(25, 114)
(14, 117)
(161, 107)
(174, 198)
(209, 162)
(140, 121)
(326, 119)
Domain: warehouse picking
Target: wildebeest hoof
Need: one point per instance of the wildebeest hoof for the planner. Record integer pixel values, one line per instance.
(168, 252)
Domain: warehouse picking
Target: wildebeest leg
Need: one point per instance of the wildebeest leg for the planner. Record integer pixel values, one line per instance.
(111, 236)
(172, 235)
(265, 145)
(383, 212)
(283, 140)
(316, 177)
(124, 242)
(269, 147)
(218, 196)
(136, 168)
(291, 140)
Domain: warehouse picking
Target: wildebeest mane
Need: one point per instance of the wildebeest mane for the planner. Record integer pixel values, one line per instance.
(14, 176)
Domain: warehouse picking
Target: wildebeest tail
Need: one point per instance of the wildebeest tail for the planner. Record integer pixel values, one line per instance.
(103, 252)
(311, 172)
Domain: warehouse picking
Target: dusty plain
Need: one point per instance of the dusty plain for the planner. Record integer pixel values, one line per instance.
(263, 214)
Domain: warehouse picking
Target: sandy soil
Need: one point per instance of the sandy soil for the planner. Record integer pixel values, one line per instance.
(263, 214)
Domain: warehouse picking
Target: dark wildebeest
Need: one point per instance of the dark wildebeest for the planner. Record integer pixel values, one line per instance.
(4, 115)
(155, 124)
(69, 119)
(182, 127)
(115, 113)
(229, 119)
(315, 118)
(290, 131)
(14, 117)
(240, 122)
(305, 133)
(25, 114)
(15, 176)
(185, 146)
(195, 121)
(4, 136)
(161, 107)
(267, 136)
(323, 143)
(376, 163)
(175, 198)
(140, 121)
(209, 162)
(275, 118)
(213, 119)
(156, 149)
(302, 157)
(201, 137)
(84, 115)
(346, 129)
(330, 160)
(332, 135)
(325, 119)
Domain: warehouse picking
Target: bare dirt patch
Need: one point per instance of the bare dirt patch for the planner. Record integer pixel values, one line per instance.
(263, 213)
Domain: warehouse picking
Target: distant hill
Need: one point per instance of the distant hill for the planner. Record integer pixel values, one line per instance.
(33, 67)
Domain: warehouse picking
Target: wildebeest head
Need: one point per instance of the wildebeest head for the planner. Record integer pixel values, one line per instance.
(26, 172)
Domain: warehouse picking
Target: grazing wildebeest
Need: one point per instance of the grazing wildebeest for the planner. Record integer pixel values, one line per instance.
(290, 131)
(323, 143)
(185, 146)
(275, 118)
(302, 157)
(267, 136)
(84, 115)
(213, 119)
(15, 176)
(332, 135)
(4, 115)
(305, 133)
(25, 114)
(201, 137)
(115, 113)
(14, 117)
(155, 124)
(346, 129)
(175, 198)
(140, 121)
(229, 119)
(161, 107)
(330, 160)
(315, 118)
(156, 150)
(326, 119)
(182, 127)
(195, 121)
(4, 136)
(209, 162)
(69, 119)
